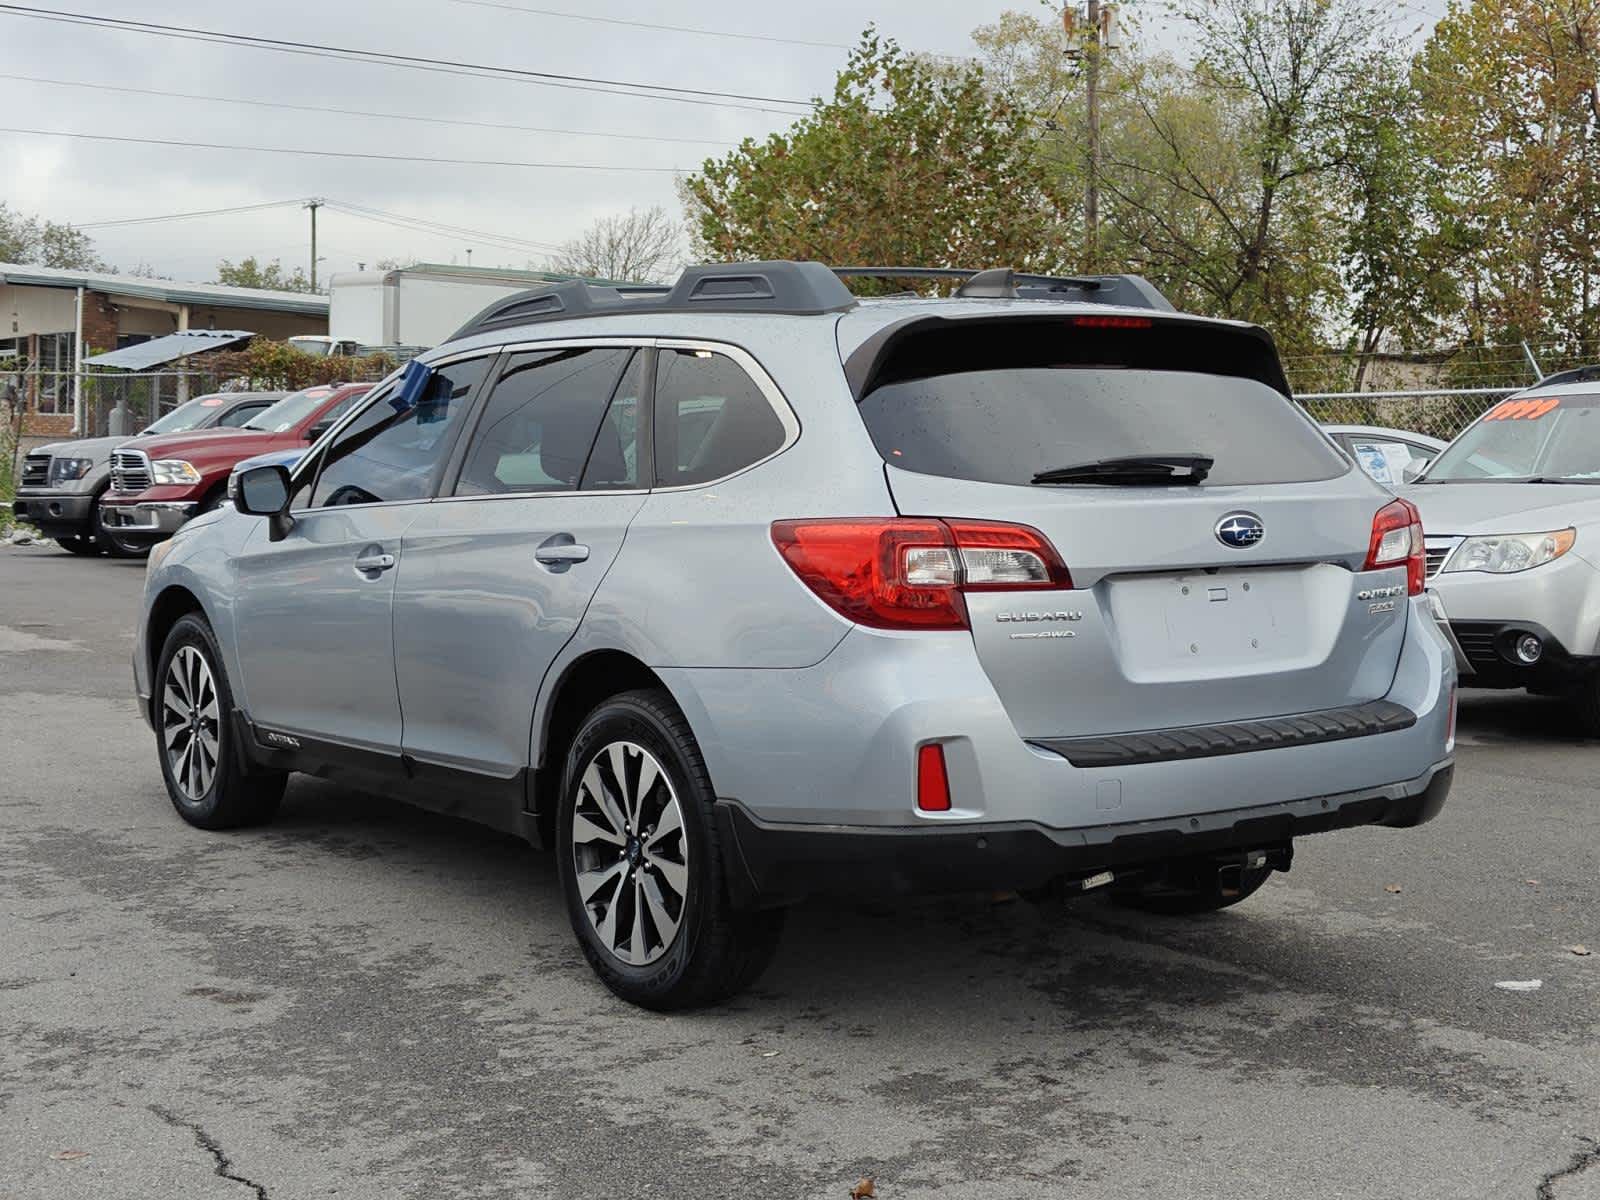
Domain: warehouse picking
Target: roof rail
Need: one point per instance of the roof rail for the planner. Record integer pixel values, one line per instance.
(1576, 375)
(790, 288)
(1003, 283)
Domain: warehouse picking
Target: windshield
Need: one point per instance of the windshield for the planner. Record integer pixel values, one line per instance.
(187, 416)
(290, 411)
(1535, 437)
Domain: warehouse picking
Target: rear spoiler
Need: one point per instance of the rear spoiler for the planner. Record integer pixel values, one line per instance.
(920, 346)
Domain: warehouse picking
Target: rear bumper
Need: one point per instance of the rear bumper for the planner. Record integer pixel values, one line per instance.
(152, 521)
(56, 514)
(773, 863)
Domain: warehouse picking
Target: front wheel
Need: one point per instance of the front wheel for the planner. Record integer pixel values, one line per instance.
(205, 779)
(115, 546)
(1586, 706)
(640, 863)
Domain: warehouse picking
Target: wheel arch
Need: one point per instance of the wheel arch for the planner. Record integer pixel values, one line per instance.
(582, 684)
(170, 605)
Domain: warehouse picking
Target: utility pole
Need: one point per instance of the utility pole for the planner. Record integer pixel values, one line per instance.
(313, 205)
(1091, 194)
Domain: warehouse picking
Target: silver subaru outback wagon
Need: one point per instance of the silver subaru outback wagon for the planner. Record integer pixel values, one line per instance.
(745, 589)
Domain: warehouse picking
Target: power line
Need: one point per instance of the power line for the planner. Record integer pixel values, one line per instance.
(353, 112)
(654, 91)
(722, 33)
(210, 212)
(425, 225)
(345, 154)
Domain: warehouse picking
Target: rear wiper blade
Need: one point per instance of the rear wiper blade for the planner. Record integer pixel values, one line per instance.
(1134, 470)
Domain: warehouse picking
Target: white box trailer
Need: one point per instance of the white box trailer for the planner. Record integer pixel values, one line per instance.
(422, 305)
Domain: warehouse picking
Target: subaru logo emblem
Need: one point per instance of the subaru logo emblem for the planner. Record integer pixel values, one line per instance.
(1240, 530)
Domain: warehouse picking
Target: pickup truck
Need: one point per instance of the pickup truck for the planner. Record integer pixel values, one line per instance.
(161, 482)
(62, 483)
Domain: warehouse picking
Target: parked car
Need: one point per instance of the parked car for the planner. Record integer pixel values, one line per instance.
(744, 589)
(63, 482)
(160, 483)
(1391, 456)
(1512, 509)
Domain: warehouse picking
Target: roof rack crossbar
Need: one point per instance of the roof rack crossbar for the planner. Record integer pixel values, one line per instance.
(1003, 283)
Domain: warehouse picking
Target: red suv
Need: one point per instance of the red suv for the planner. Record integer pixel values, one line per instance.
(161, 482)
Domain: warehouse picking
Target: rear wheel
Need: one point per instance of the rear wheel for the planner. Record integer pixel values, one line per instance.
(1194, 888)
(640, 863)
(78, 545)
(194, 736)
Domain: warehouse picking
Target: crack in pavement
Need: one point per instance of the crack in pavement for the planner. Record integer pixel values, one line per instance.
(223, 1166)
(1580, 1163)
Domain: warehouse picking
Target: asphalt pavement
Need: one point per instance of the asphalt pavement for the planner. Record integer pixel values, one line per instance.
(364, 1000)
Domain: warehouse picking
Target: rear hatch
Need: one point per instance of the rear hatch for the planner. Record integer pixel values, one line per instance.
(1233, 599)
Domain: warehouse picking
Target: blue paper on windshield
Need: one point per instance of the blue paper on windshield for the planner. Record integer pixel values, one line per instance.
(414, 382)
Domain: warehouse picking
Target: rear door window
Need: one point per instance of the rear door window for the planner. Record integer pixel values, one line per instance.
(548, 413)
(1002, 406)
(240, 415)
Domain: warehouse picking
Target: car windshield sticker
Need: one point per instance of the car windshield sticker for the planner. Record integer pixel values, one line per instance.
(1523, 410)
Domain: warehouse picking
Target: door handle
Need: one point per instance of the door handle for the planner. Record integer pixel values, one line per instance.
(562, 553)
(373, 563)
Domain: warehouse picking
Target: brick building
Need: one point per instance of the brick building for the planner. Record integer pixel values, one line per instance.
(50, 320)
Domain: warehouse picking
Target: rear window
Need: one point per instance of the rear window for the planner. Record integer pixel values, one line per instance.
(1002, 406)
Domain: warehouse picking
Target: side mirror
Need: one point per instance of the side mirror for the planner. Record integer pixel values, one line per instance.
(264, 492)
(317, 430)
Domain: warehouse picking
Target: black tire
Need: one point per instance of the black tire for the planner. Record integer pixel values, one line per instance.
(115, 546)
(81, 546)
(715, 950)
(230, 797)
(1187, 892)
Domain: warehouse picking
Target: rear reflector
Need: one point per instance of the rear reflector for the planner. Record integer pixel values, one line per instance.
(933, 785)
(1450, 727)
(1397, 541)
(910, 572)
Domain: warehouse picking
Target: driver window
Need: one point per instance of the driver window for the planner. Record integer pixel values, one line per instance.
(391, 452)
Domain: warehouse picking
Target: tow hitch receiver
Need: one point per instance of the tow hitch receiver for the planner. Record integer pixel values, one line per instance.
(1231, 869)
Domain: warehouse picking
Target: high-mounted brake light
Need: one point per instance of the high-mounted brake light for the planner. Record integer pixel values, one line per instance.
(1110, 321)
(910, 572)
(1397, 539)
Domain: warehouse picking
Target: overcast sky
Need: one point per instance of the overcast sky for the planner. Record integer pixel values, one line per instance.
(84, 181)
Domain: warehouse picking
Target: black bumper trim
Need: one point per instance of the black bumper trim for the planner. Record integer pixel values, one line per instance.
(771, 863)
(56, 514)
(1231, 737)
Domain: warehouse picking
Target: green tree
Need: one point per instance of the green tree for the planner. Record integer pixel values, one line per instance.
(250, 273)
(1509, 118)
(28, 239)
(908, 163)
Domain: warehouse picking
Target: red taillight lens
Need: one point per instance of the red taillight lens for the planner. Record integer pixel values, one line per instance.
(1397, 539)
(933, 784)
(909, 572)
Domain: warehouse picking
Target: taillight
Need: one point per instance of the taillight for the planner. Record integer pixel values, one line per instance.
(1397, 539)
(909, 572)
(933, 782)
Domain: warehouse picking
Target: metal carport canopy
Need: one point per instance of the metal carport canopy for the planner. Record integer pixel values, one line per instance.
(168, 349)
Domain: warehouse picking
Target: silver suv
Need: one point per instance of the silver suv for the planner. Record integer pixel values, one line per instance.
(745, 589)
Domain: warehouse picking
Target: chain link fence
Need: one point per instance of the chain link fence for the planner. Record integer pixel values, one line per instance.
(1439, 393)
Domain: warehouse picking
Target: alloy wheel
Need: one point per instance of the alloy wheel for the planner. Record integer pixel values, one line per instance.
(191, 722)
(630, 852)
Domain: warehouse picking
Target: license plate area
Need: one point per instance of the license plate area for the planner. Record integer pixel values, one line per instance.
(1206, 623)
